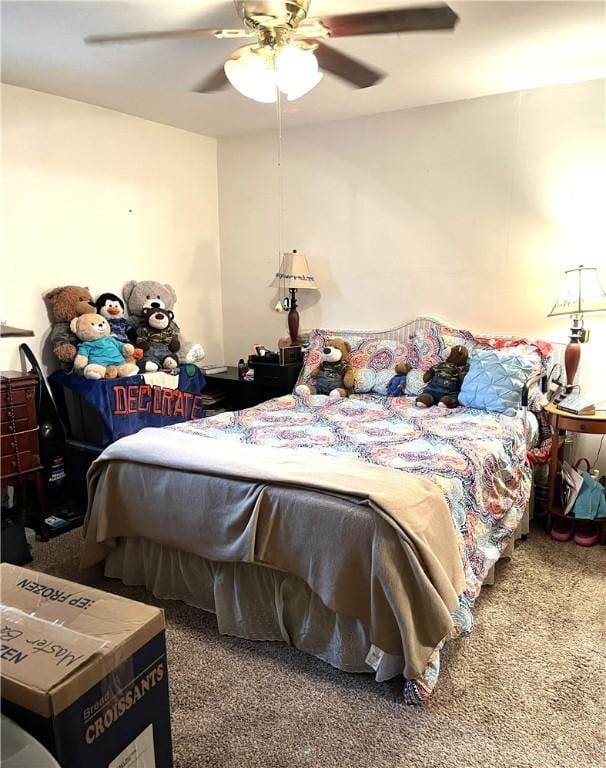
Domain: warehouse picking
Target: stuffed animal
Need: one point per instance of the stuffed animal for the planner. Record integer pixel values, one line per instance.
(100, 355)
(444, 380)
(147, 294)
(66, 303)
(111, 307)
(397, 384)
(158, 340)
(334, 376)
(151, 294)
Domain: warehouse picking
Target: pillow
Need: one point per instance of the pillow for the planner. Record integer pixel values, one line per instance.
(374, 363)
(428, 347)
(541, 348)
(452, 337)
(414, 382)
(424, 350)
(315, 345)
(373, 360)
(495, 380)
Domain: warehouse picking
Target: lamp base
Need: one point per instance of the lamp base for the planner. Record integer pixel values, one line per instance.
(293, 325)
(572, 355)
(293, 317)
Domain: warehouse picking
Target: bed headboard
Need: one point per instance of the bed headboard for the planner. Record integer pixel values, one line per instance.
(403, 332)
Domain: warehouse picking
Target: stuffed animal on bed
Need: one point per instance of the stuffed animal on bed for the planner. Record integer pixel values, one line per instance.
(100, 355)
(334, 376)
(444, 380)
(397, 384)
(157, 338)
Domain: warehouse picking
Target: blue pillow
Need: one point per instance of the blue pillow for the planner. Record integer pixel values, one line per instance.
(495, 380)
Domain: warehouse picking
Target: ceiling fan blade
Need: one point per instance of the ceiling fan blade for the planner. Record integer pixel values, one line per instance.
(168, 34)
(343, 66)
(216, 81)
(431, 17)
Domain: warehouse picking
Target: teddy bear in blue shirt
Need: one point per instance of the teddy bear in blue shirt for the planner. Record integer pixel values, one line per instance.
(100, 355)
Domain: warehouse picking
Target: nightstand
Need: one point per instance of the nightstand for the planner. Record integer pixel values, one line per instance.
(271, 380)
(274, 380)
(238, 393)
(562, 422)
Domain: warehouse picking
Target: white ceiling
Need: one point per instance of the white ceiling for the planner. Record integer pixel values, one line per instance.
(496, 47)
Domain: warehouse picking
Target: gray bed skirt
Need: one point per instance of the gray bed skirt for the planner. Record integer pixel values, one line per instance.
(256, 602)
(251, 601)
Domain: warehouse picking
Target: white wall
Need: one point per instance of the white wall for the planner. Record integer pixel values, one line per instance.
(469, 211)
(96, 197)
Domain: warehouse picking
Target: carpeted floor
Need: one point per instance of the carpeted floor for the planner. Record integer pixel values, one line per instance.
(528, 688)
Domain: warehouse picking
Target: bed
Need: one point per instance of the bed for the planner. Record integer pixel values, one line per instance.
(361, 530)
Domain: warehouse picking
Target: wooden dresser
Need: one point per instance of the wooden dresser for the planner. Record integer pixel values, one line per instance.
(20, 451)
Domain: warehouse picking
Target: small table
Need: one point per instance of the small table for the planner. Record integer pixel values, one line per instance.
(562, 422)
(271, 380)
(239, 393)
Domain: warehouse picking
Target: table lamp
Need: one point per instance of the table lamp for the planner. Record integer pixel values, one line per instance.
(294, 274)
(581, 292)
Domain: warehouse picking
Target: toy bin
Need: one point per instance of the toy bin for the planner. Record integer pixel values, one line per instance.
(100, 412)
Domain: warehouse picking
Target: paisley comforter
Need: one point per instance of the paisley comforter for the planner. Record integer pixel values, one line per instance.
(477, 458)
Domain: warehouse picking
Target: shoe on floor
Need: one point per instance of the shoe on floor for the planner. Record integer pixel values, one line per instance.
(587, 534)
(563, 528)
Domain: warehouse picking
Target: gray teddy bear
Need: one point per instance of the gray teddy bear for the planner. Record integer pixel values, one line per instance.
(149, 294)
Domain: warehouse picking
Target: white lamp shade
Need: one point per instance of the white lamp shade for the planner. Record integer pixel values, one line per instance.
(581, 292)
(256, 74)
(294, 273)
(296, 71)
(305, 87)
(251, 74)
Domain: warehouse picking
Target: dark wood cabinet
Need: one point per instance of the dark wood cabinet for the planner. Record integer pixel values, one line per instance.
(270, 381)
(232, 392)
(20, 451)
(274, 380)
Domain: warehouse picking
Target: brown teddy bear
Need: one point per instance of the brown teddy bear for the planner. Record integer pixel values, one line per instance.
(157, 340)
(100, 355)
(444, 380)
(397, 384)
(334, 376)
(66, 303)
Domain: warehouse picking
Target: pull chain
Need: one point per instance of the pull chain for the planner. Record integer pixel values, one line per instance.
(281, 289)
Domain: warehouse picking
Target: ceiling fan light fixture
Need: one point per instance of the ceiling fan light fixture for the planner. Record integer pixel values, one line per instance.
(303, 87)
(296, 71)
(283, 29)
(251, 75)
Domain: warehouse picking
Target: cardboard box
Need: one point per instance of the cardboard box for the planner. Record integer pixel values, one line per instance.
(84, 672)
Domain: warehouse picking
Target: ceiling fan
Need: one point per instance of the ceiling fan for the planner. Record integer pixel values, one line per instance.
(289, 49)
